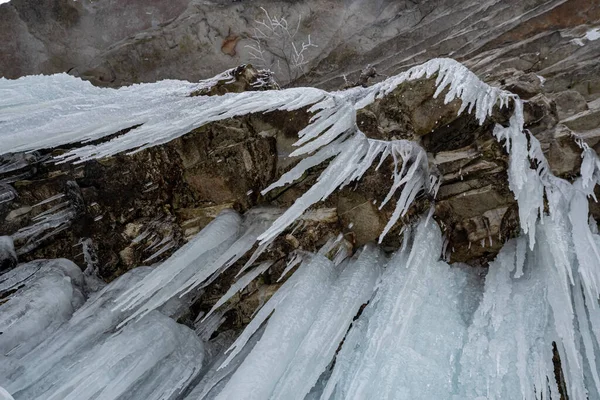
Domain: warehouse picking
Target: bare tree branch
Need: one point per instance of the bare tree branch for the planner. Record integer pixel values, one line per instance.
(276, 48)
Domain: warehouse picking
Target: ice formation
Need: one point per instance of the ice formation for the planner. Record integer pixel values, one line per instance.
(218, 246)
(404, 326)
(157, 113)
(47, 293)
(85, 358)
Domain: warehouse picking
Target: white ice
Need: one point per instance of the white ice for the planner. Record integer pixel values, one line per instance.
(47, 293)
(85, 358)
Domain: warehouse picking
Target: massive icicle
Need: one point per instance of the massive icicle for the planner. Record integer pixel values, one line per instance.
(218, 246)
(351, 289)
(294, 308)
(154, 358)
(47, 293)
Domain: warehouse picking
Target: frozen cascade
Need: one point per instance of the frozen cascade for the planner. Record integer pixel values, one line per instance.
(512, 333)
(408, 339)
(423, 329)
(154, 358)
(47, 294)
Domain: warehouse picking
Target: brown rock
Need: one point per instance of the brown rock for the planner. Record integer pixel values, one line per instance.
(569, 103)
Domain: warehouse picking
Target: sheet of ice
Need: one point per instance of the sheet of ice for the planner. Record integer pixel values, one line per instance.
(293, 313)
(70, 110)
(166, 281)
(418, 337)
(4, 395)
(153, 358)
(509, 352)
(85, 358)
(47, 293)
(214, 378)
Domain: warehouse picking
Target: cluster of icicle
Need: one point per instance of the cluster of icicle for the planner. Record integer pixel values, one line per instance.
(429, 330)
(60, 342)
(75, 111)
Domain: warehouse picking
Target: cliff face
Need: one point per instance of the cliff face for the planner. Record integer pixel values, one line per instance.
(139, 209)
(112, 43)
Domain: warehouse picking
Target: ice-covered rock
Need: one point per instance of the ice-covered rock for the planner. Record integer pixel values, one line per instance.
(407, 326)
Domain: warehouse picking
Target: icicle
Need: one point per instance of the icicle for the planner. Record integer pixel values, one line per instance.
(165, 282)
(293, 315)
(215, 248)
(353, 288)
(295, 260)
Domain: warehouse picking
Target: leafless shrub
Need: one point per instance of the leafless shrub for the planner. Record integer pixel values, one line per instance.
(277, 47)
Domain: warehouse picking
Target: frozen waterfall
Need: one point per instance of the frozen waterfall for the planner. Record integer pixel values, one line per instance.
(371, 325)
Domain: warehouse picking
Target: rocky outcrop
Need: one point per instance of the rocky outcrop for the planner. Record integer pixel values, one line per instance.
(137, 209)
